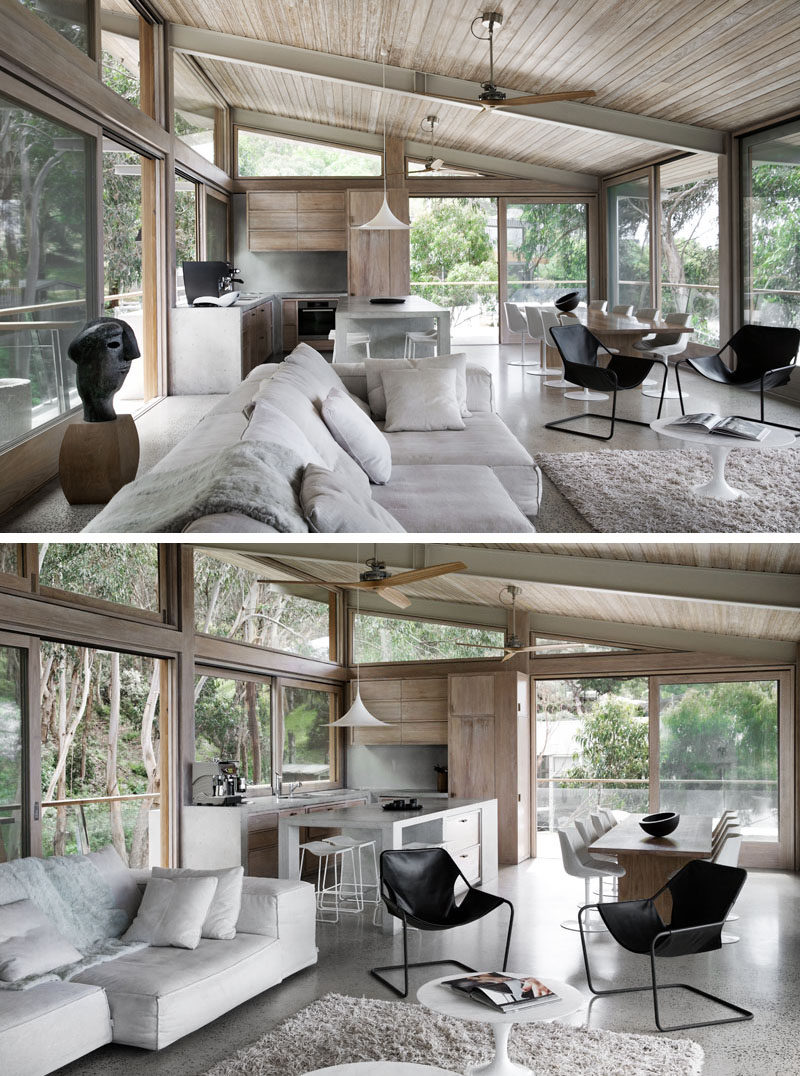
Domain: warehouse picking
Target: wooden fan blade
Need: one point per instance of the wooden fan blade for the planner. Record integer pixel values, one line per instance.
(480, 646)
(539, 98)
(404, 578)
(396, 597)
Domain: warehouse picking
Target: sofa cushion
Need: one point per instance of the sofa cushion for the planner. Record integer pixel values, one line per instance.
(332, 506)
(267, 423)
(421, 399)
(29, 943)
(209, 437)
(159, 995)
(119, 879)
(358, 435)
(485, 440)
(172, 912)
(457, 362)
(50, 1026)
(289, 400)
(220, 922)
(451, 498)
(374, 370)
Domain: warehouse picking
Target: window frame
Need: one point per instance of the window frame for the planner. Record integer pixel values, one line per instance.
(250, 129)
(336, 692)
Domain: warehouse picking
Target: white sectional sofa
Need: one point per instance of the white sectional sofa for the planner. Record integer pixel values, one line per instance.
(476, 479)
(147, 996)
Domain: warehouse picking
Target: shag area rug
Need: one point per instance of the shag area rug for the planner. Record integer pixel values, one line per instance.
(624, 491)
(337, 1029)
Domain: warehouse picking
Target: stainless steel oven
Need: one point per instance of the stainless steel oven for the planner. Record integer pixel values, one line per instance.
(315, 318)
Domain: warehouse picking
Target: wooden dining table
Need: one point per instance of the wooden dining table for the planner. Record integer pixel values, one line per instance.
(650, 861)
(620, 332)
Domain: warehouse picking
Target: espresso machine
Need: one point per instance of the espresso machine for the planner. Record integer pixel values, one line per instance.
(217, 783)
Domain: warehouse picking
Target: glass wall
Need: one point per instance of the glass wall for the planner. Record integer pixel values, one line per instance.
(689, 242)
(120, 52)
(771, 225)
(9, 558)
(125, 573)
(546, 245)
(44, 257)
(719, 751)
(259, 153)
(216, 228)
(186, 230)
(454, 262)
(233, 720)
(232, 601)
(309, 752)
(100, 750)
(71, 19)
(195, 109)
(628, 239)
(389, 638)
(12, 731)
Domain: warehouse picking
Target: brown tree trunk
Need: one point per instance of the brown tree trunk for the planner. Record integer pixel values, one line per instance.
(140, 850)
(251, 706)
(112, 785)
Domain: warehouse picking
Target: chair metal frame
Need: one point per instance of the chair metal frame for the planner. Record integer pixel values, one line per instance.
(665, 935)
(404, 916)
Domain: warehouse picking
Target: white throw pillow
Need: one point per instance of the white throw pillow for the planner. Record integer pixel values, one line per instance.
(29, 943)
(421, 399)
(267, 423)
(358, 435)
(457, 362)
(332, 506)
(119, 879)
(374, 369)
(172, 912)
(220, 923)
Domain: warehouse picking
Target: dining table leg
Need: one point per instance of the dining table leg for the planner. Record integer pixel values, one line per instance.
(646, 873)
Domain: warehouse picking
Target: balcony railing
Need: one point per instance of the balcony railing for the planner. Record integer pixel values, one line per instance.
(86, 825)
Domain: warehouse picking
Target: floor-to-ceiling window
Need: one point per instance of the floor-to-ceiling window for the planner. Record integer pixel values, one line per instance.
(186, 230)
(13, 756)
(45, 253)
(628, 242)
(546, 250)
(771, 224)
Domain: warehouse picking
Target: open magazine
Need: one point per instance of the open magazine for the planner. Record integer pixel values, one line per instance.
(503, 992)
(228, 298)
(706, 422)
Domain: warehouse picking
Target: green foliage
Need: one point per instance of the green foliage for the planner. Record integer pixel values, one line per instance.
(552, 250)
(262, 154)
(70, 27)
(125, 573)
(386, 638)
(774, 210)
(185, 225)
(119, 79)
(613, 742)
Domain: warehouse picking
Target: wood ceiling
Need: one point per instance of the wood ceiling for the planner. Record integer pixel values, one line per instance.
(740, 615)
(726, 64)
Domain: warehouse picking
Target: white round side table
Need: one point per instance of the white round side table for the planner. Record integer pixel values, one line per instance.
(718, 448)
(445, 1000)
(381, 1068)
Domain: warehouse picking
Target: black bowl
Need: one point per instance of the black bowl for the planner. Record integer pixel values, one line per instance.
(567, 302)
(659, 825)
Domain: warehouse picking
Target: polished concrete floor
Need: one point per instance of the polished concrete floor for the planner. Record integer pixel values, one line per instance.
(523, 401)
(761, 972)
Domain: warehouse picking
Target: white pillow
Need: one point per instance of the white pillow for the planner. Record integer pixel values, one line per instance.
(457, 362)
(172, 912)
(333, 506)
(374, 369)
(267, 423)
(29, 943)
(421, 399)
(220, 923)
(358, 435)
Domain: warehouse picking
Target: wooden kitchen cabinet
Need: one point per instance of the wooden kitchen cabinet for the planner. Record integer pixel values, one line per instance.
(489, 752)
(416, 710)
(378, 262)
(296, 220)
(289, 323)
(256, 337)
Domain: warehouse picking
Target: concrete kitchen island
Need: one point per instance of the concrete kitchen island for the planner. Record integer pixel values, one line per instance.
(465, 828)
(387, 325)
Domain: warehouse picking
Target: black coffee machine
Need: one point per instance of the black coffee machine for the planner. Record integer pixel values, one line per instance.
(208, 278)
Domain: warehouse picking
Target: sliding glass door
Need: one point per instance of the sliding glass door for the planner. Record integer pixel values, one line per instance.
(628, 242)
(13, 755)
(546, 250)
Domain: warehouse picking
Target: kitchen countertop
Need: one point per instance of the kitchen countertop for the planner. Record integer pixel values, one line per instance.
(272, 803)
(311, 294)
(413, 307)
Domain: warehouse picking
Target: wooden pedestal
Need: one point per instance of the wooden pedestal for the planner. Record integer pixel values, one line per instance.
(97, 459)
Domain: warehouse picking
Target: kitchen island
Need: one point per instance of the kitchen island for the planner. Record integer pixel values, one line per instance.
(387, 325)
(465, 828)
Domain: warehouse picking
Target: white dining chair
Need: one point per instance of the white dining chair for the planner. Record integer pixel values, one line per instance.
(648, 313)
(578, 864)
(727, 854)
(624, 309)
(517, 324)
(549, 320)
(601, 305)
(666, 346)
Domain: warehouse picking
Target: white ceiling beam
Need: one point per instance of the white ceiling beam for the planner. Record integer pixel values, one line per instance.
(366, 73)
(117, 22)
(345, 136)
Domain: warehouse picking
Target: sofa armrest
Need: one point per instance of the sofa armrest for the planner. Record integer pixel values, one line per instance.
(480, 388)
(277, 907)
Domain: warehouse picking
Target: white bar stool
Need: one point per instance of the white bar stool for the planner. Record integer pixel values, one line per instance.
(353, 340)
(426, 338)
(358, 885)
(330, 897)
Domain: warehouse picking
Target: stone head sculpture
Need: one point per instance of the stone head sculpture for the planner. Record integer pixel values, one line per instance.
(103, 351)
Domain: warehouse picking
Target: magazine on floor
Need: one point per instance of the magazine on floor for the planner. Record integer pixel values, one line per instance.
(502, 992)
(730, 426)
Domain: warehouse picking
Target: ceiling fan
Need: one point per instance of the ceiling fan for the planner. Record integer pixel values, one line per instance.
(432, 164)
(513, 646)
(376, 578)
(490, 96)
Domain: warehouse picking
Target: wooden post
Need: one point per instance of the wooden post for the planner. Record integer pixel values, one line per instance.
(97, 459)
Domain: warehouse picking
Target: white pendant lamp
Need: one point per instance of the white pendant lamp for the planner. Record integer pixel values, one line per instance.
(384, 219)
(358, 716)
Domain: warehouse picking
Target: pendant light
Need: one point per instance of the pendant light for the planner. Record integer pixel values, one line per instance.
(358, 716)
(384, 219)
